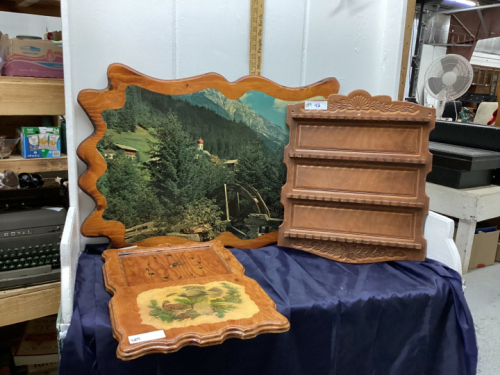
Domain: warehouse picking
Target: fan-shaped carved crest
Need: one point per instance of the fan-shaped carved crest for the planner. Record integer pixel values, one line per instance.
(362, 101)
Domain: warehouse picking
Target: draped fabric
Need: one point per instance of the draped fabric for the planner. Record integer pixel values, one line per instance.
(382, 318)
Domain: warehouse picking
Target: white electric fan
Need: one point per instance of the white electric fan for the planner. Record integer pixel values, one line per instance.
(448, 78)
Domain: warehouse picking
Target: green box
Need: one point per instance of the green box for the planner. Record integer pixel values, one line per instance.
(40, 142)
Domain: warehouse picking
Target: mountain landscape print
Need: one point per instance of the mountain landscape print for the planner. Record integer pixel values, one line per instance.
(194, 165)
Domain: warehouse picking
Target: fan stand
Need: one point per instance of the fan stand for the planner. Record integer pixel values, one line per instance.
(439, 105)
(441, 102)
(440, 108)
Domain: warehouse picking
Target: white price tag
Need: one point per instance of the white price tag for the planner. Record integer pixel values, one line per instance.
(146, 336)
(316, 105)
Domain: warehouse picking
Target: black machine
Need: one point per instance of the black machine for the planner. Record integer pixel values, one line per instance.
(29, 246)
(464, 155)
(483, 137)
(462, 167)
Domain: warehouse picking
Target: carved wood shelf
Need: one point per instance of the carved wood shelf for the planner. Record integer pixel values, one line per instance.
(356, 240)
(319, 116)
(355, 189)
(354, 200)
(356, 158)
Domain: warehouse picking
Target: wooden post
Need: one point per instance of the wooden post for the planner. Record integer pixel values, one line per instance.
(410, 16)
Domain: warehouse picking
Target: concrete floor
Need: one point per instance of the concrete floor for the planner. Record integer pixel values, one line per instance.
(483, 297)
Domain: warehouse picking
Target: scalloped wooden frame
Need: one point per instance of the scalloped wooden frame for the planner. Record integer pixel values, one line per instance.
(126, 280)
(94, 102)
(370, 158)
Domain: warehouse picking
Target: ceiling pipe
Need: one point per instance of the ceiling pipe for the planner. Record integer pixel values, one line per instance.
(469, 9)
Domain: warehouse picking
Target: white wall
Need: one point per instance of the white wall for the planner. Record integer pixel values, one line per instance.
(359, 42)
(27, 24)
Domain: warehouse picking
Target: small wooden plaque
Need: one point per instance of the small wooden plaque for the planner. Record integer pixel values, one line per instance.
(355, 189)
(194, 294)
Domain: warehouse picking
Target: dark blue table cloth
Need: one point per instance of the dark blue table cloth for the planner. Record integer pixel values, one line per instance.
(383, 318)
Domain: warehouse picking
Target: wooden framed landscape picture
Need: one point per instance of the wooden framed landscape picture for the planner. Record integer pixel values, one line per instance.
(194, 159)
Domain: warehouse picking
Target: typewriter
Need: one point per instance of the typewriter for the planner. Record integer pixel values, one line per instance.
(29, 246)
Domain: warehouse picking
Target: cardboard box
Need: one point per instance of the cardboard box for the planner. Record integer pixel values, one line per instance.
(32, 57)
(484, 249)
(39, 142)
(497, 258)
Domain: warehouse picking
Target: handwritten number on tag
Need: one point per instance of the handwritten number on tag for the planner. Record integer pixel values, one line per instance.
(146, 336)
(316, 105)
